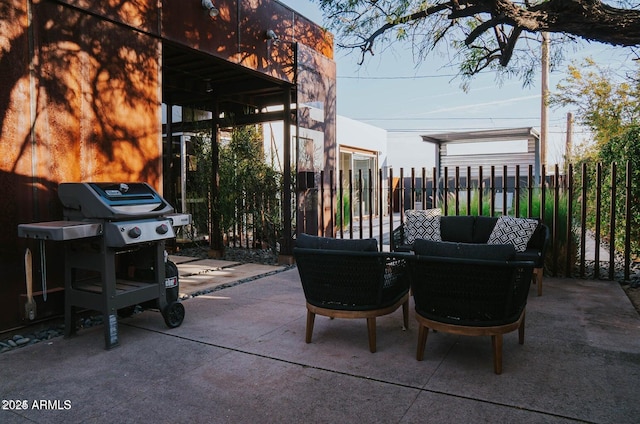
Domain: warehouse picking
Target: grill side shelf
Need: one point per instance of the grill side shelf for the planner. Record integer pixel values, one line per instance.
(60, 230)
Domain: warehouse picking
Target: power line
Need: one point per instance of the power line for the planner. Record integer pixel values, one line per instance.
(446, 119)
(459, 119)
(431, 130)
(397, 77)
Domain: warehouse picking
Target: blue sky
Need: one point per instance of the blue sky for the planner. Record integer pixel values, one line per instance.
(390, 91)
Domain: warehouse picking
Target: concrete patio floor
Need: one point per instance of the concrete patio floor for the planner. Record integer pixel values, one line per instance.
(240, 357)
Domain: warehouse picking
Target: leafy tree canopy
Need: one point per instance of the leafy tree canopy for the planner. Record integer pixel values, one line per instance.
(498, 35)
(604, 101)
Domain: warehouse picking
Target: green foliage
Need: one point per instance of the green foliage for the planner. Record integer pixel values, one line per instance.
(198, 185)
(610, 106)
(343, 212)
(604, 101)
(620, 150)
(462, 205)
(560, 247)
(249, 187)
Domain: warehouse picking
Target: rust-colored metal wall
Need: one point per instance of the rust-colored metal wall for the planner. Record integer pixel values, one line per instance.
(80, 99)
(238, 33)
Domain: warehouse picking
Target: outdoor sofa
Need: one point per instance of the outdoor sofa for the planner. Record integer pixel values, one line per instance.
(529, 236)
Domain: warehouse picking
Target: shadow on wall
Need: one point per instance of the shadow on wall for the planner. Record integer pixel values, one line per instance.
(26, 199)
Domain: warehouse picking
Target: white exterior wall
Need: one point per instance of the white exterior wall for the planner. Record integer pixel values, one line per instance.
(349, 132)
(357, 134)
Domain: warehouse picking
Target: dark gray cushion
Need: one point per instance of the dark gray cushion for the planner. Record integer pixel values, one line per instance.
(496, 252)
(538, 238)
(483, 228)
(356, 245)
(457, 228)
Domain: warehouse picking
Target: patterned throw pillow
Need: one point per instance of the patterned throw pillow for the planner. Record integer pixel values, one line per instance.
(516, 231)
(422, 224)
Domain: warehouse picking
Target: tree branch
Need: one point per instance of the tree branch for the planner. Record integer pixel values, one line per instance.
(367, 44)
(587, 19)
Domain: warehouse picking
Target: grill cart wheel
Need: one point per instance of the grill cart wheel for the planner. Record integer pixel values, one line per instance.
(173, 314)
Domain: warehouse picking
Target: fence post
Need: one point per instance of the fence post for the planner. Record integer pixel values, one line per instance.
(568, 264)
(341, 202)
(480, 190)
(456, 190)
(556, 217)
(596, 265)
(434, 188)
(505, 211)
(323, 230)
(360, 191)
(380, 213)
(424, 188)
(492, 191)
(332, 192)
(516, 192)
(445, 191)
(627, 229)
(401, 195)
(468, 190)
(370, 203)
(612, 221)
(413, 188)
(583, 220)
(390, 190)
(530, 192)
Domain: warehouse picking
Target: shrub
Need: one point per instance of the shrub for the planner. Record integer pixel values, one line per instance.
(560, 247)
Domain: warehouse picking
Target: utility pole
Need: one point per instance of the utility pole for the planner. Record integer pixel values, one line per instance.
(569, 143)
(544, 103)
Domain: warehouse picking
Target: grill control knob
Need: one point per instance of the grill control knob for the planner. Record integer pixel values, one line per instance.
(134, 232)
(162, 229)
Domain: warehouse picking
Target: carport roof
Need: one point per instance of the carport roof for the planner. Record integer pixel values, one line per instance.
(484, 135)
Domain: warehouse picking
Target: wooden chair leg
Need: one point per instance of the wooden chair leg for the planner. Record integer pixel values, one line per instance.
(537, 279)
(405, 314)
(423, 332)
(521, 330)
(496, 341)
(371, 327)
(310, 320)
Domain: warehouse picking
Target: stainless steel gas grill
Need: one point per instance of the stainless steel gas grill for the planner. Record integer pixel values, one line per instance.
(114, 236)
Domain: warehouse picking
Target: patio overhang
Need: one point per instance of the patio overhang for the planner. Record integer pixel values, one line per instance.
(204, 82)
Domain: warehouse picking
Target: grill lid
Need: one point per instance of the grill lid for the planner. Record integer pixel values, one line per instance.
(111, 201)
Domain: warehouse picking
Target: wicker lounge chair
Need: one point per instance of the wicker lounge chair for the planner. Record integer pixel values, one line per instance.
(472, 297)
(352, 284)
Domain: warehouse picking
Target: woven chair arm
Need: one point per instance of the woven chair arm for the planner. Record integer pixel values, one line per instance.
(397, 237)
